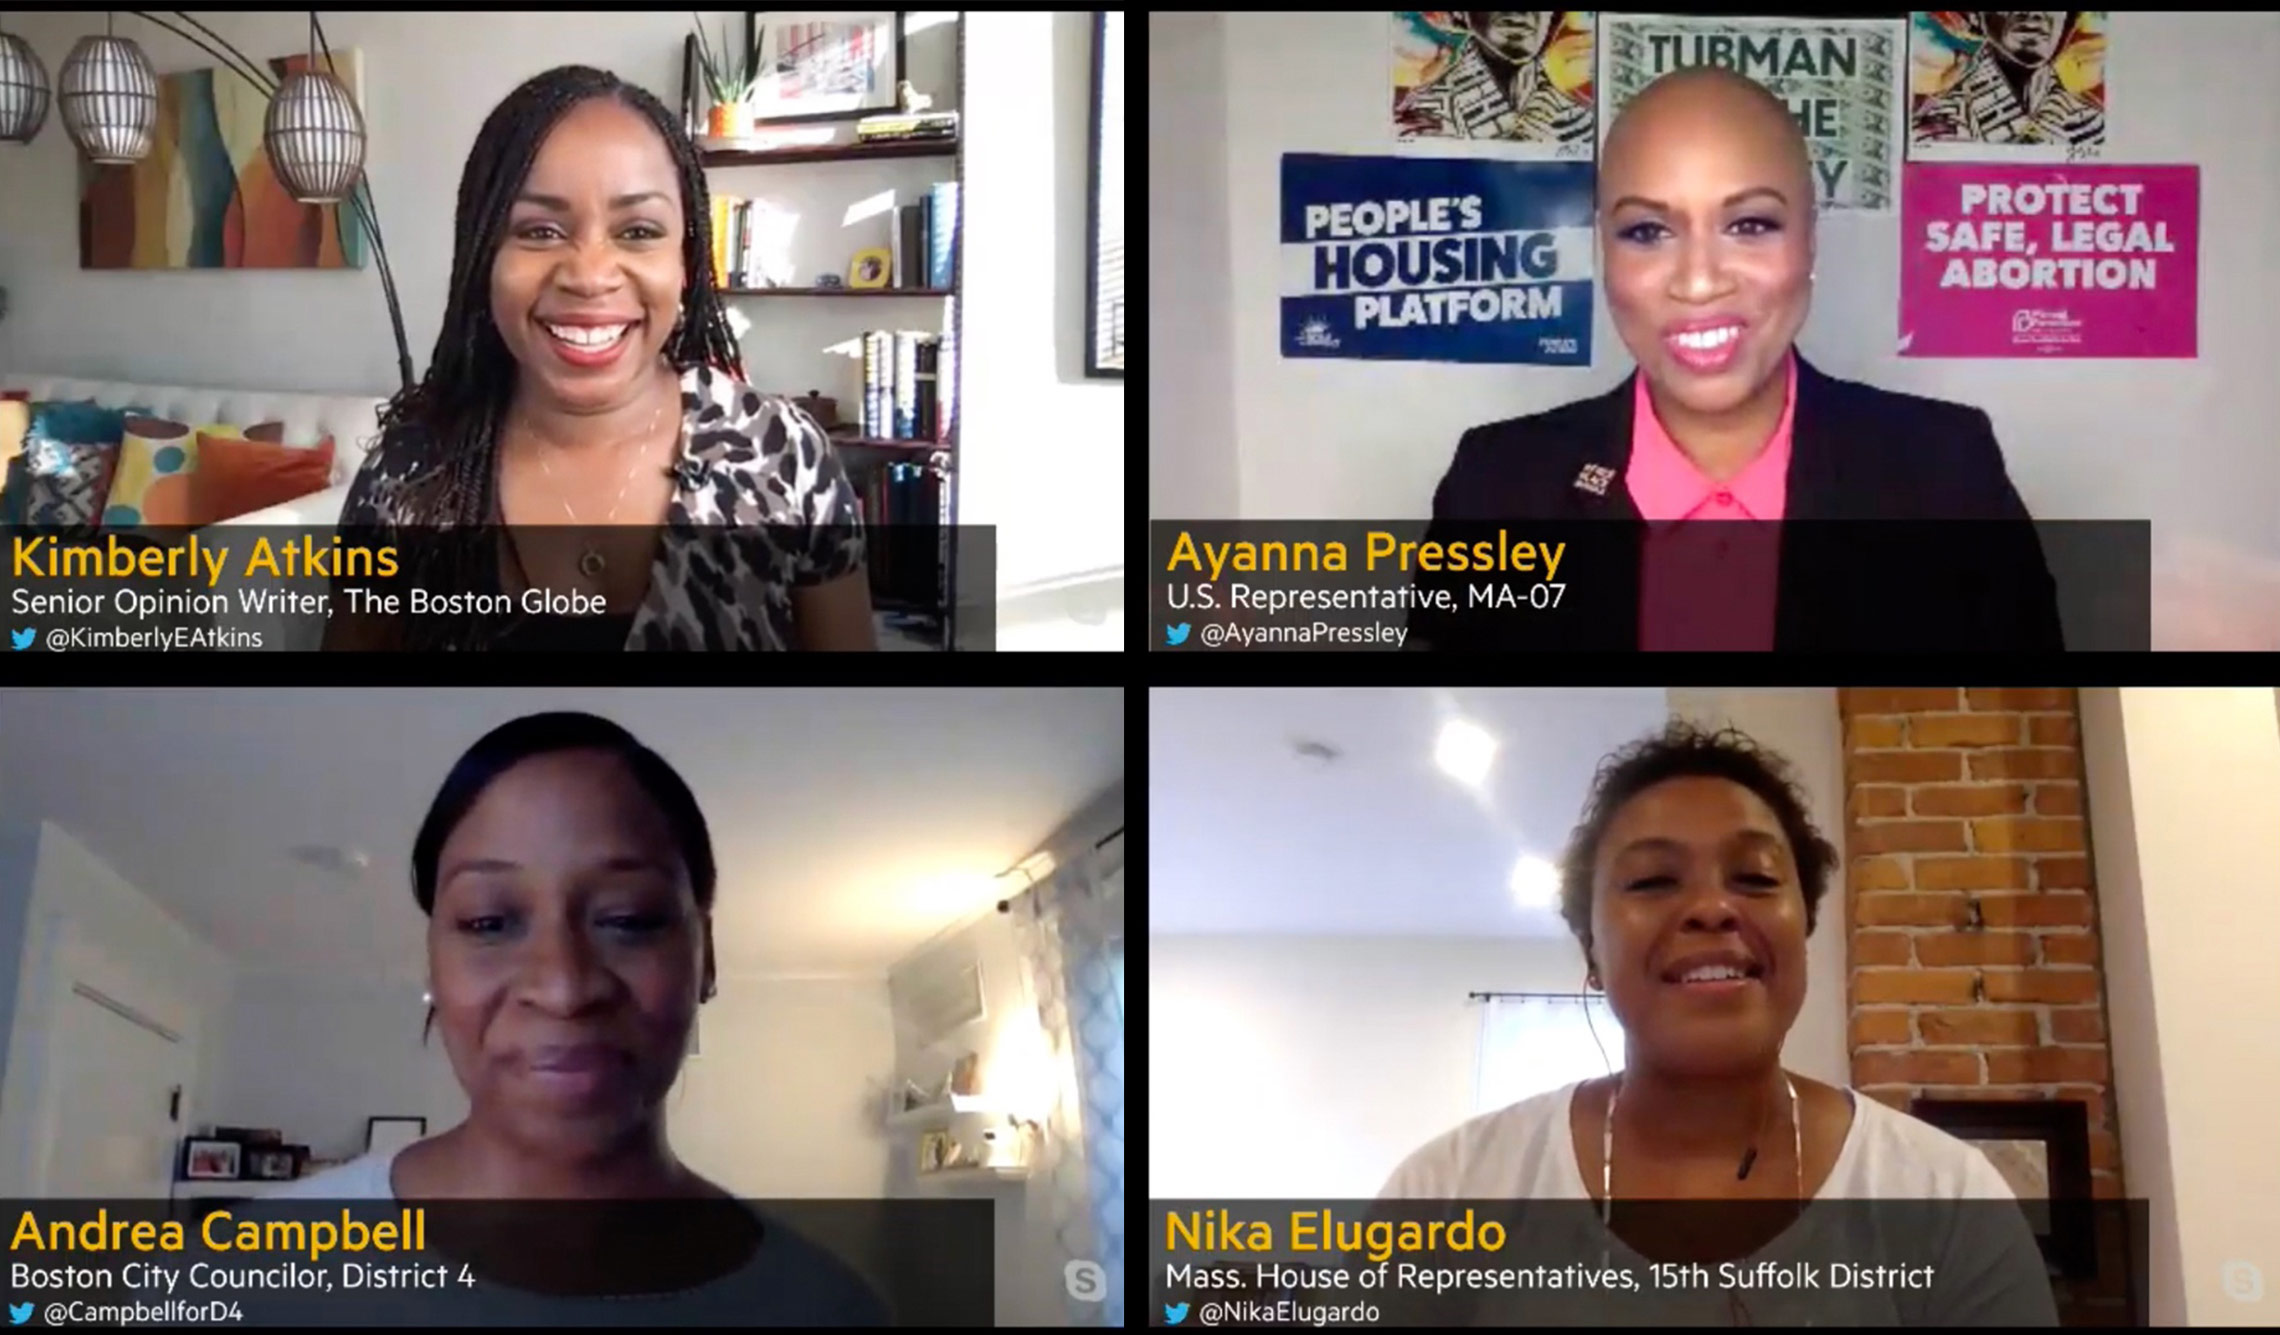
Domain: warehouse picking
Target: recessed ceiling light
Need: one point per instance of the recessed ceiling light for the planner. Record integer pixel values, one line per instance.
(1464, 752)
(1535, 883)
(338, 860)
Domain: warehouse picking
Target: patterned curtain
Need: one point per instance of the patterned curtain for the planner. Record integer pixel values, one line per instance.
(1071, 929)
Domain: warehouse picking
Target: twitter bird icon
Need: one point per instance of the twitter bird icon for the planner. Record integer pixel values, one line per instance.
(22, 639)
(19, 1313)
(1174, 1313)
(1174, 636)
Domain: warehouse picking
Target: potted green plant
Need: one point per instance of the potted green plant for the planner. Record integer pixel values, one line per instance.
(730, 83)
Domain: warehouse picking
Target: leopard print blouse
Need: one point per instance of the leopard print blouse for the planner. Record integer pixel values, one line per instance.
(761, 506)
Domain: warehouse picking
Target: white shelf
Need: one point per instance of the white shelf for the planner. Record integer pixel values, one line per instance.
(206, 1189)
(952, 1177)
(940, 1113)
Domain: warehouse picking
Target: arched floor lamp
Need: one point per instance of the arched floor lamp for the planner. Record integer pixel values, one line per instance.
(107, 94)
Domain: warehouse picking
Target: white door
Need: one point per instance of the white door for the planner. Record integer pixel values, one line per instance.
(116, 1078)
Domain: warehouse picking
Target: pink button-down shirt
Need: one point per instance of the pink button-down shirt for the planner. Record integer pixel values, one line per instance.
(1707, 586)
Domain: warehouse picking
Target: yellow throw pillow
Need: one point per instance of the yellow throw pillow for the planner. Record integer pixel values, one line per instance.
(152, 485)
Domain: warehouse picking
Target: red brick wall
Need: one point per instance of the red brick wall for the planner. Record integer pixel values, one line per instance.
(1974, 958)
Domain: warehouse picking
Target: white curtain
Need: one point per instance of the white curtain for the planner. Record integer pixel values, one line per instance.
(1071, 929)
(1531, 1044)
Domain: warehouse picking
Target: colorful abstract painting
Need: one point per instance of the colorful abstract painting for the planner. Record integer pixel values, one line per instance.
(207, 197)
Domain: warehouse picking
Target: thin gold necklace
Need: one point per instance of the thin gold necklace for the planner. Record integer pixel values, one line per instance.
(591, 561)
(1737, 1309)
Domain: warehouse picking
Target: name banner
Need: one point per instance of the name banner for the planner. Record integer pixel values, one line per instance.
(1436, 260)
(2049, 261)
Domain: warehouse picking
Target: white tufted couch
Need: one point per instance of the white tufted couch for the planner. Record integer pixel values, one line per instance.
(351, 420)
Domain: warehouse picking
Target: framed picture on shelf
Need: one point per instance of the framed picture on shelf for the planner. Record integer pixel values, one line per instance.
(1104, 279)
(208, 1160)
(274, 1163)
(386, 1135)
(824, 66)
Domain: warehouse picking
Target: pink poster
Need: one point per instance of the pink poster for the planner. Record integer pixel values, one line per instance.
(2049, 261)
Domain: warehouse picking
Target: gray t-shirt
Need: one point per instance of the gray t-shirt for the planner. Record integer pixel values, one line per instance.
(789, 1281)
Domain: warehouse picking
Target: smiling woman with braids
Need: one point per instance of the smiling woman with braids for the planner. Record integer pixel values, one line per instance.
(586, 403)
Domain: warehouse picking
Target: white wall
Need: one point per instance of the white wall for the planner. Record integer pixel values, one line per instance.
(2182, 786)
(1191, 404)
(1353, 439)
(315, 1057)
(1043, 449)
(151, 961)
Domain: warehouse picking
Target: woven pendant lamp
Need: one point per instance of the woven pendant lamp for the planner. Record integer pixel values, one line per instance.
(108, 95)
(314, 134)
(24, 92)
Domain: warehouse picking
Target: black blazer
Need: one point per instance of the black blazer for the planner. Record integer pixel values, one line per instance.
(1893, 581)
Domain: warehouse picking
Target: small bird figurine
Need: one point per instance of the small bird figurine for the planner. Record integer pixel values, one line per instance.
(913, 101)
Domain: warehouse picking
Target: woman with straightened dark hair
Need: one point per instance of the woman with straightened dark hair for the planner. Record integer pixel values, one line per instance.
(567, 875)
(1691, 884)
(587, 404)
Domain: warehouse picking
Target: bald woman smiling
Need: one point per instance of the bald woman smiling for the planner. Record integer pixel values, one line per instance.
(1705, 229)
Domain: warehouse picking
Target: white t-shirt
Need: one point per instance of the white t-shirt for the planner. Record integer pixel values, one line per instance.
(1986, 1268)
(788, 1281)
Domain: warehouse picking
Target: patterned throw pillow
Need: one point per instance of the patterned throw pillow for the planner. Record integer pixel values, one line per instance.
(71, 451)
(152, 484)
(67, 482)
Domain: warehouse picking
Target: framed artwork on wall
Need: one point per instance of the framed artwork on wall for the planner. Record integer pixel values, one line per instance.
(1104, 280)
(2042, 1149)
(824, 66)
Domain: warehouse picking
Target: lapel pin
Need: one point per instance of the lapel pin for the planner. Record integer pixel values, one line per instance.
(1594, 479)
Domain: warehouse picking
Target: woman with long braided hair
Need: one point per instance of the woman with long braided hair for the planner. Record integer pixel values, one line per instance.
(584, 452)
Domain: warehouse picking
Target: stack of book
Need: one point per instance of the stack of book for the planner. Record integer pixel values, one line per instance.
(736, 227)
(902, 376)
(925, 239)
(905, 510)
(900, 126)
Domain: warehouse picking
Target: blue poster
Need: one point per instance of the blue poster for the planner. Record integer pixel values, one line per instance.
(1436, 259)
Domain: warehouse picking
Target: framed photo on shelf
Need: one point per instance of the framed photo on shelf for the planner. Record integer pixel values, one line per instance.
(209, 1160)
(2042, 1149)
(274, 1163)
(386, 1135)
(824, 66)
(1104, 278)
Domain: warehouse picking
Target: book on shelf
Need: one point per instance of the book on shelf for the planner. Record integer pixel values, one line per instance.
(904, 508)
(902, 379)
(906, 126)
(942, 235)
(736, 242)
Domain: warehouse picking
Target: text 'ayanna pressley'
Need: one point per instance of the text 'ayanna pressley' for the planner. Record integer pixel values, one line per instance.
(1245, 557)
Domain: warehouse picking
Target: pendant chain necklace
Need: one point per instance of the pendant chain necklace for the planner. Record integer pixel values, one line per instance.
(591, 561)
(1739, 1311)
